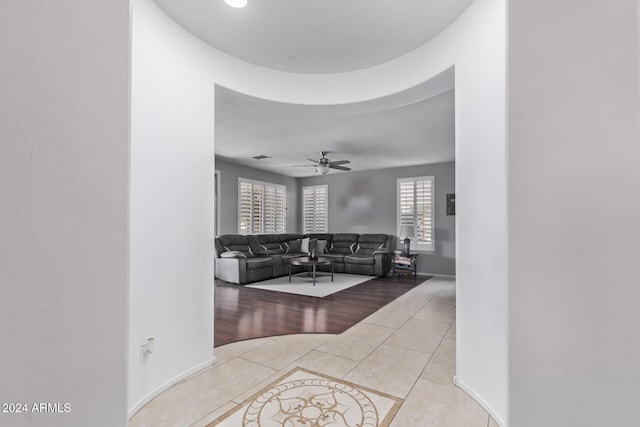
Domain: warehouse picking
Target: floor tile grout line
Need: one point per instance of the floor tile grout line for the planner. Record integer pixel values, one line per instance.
(383, 342)
(431, 358)
(423, 369)
(335, 355)
(378, 346)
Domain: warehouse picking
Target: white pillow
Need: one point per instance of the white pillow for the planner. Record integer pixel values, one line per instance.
(304, 248)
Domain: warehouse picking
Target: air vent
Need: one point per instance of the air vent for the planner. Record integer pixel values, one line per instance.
(261, 157)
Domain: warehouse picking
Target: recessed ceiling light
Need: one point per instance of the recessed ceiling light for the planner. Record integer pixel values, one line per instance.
(236, 3)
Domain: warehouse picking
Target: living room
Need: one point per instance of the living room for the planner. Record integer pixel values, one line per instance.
(383, 141)
(376, 189)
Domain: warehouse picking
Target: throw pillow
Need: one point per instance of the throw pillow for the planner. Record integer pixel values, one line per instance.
(322, 246)
(294, 246)
(304, 248)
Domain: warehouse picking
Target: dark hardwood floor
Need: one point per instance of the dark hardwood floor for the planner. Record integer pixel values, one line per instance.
(243, 313)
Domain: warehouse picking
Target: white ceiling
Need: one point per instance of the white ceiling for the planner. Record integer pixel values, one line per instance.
(316, 36)
(409, 128)
(327, 36)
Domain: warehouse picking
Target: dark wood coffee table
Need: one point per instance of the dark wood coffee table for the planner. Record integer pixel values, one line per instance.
(311, 264)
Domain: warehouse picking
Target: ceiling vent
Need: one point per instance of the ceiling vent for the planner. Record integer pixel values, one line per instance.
(261, 157)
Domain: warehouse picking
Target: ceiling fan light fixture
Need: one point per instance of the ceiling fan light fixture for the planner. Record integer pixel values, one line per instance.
(324, 169)
(236, 3)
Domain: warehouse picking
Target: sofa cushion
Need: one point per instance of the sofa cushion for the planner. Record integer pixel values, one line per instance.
(236, 242)
(255, 263)
(269, 244)
(343, 243)
(337, 258)
(271, 248)
(294, 246)
(359, 259)
(232, 254)
(322, 246)
(369, 243)
(246, 250)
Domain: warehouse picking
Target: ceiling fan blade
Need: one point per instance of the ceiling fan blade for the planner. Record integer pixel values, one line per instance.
(314, 161)
(302, 166)
(341, 162)
(342, 168)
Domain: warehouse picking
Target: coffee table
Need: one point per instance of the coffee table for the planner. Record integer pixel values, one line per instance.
(311, 264)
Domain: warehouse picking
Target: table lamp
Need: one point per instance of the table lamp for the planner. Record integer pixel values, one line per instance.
(407, 231)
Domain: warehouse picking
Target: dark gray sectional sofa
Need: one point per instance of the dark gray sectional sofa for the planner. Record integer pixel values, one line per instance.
(247, 259)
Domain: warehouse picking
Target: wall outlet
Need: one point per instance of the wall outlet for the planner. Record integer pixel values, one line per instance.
(148, 347)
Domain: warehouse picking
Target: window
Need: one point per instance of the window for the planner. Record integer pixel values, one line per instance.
(262, 207)
(415, 207)
(315, 216)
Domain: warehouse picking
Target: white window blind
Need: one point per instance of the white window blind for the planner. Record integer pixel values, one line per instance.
(315, 210)
(415, 207)
(262, 207)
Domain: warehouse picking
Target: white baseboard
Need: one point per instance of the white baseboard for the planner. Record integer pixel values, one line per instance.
(135, 408)
(448, 276)
(475, 396)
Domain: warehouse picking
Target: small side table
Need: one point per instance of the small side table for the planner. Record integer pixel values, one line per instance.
(405, 264)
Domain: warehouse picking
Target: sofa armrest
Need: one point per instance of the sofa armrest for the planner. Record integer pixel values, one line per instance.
(232, 270)
(382, 252)
(233, 254)
(382, 262)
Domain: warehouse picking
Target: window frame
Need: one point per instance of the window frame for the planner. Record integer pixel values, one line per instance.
(266, 187)
(313, 188)
(417, 245)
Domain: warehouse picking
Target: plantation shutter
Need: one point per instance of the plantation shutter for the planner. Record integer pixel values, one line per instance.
(315, 209)
(424, 212)
(281, 209)
(245, 208)
(415, 207)
(257, 213)
(407, 203)
(261, 207)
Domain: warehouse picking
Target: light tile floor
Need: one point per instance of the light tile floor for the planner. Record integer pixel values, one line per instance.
(406, 349)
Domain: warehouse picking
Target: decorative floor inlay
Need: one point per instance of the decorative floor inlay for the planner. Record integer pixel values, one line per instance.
(303, 398)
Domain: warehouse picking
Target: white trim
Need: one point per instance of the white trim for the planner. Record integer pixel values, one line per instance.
(135, 408)
(480, 400)
(448, 276)
(217, 176)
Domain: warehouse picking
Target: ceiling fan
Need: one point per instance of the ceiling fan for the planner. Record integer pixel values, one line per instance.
(323, 164)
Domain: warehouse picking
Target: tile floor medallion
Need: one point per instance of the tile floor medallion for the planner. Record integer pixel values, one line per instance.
(306, 398)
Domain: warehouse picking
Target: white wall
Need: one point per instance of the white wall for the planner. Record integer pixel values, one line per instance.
(574, 204)
(481, 298)
(171, 282)
(170, 64)
(63, 210)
